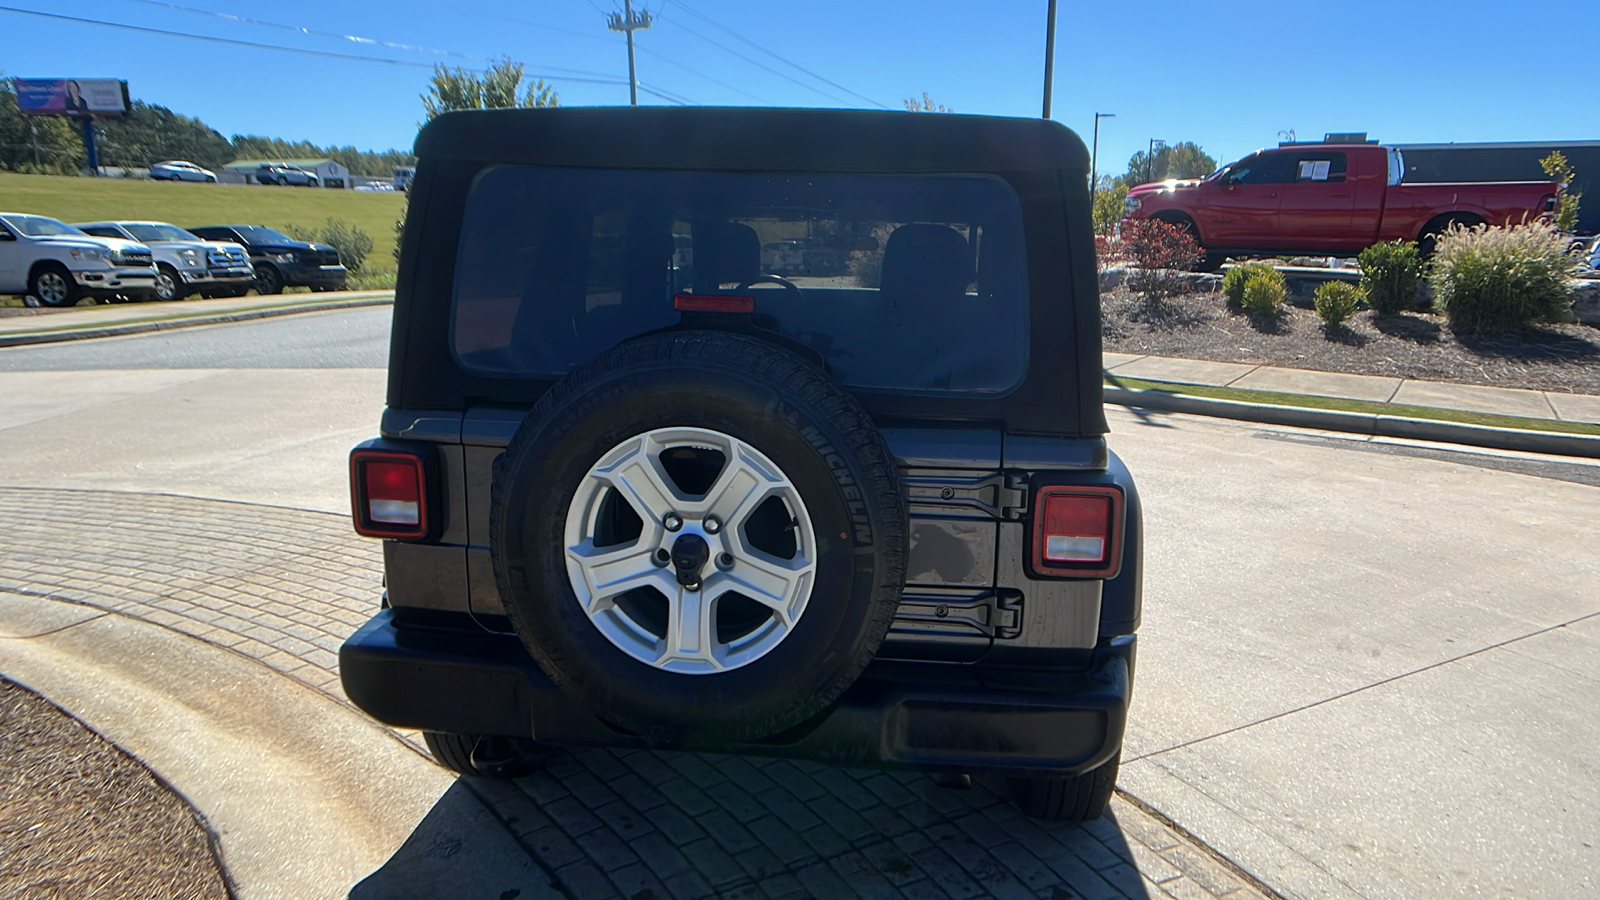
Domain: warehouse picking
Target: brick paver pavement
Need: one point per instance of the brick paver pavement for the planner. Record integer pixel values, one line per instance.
(286, 586)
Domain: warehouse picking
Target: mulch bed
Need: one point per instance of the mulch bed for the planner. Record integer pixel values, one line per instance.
(1409, 345)
(80, 818)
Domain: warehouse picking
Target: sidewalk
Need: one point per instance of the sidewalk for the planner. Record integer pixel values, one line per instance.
(1518, 402)
(81, 322)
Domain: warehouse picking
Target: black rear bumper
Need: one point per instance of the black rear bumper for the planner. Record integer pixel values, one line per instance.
(898, 715)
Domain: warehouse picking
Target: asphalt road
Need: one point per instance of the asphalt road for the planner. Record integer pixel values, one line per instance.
(341, 339)
(1366, 669)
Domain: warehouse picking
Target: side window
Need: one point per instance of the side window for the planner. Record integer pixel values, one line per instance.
(1268, 168)
(6, 235)
(1322, 167)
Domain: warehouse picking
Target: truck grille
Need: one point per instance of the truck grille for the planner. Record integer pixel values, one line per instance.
(136, 258)
(227, 259)
(322, 257)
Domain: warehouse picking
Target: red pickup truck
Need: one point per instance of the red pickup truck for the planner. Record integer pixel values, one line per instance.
(1326, 199)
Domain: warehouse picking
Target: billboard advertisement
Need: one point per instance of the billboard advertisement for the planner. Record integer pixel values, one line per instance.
(99, 97)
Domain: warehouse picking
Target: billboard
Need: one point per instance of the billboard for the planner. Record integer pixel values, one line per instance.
(98, 97)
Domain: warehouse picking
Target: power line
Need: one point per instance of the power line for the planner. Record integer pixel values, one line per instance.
(312, 32)
(672, 62)
(554, 73)
(760, 64)
(715, 24)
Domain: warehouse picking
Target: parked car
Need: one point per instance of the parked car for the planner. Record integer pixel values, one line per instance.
(871, 525)
(381, 187)
(59, 265)
(281, 261)
(1326, 199)
(185, 263)
(403, 176)
(179, 170)
(280, 173)
(783, 256)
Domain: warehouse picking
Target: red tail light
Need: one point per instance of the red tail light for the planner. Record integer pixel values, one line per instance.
(389, 494)
(1077, 531)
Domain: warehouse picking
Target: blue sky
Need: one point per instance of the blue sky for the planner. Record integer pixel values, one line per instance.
(1227, 77)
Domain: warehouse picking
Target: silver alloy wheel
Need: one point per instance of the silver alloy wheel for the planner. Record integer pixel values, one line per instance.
(686, 566)
(166, 286)
(52, 289)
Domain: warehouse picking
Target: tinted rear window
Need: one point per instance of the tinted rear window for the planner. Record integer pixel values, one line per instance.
(900, 282)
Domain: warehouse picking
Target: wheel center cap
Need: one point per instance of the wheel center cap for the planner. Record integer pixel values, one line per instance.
(689, 555)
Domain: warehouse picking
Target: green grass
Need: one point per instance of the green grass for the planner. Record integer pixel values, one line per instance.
(1273, 398)
(188, 204)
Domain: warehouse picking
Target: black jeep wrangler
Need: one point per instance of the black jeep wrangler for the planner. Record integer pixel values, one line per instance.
(634, 490)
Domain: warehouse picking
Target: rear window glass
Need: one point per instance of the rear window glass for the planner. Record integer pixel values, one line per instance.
(900, 282)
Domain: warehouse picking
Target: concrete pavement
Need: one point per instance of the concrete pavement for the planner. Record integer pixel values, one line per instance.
(1551, 405)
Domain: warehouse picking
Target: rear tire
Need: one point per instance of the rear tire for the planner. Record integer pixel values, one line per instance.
(1431, 233)
(485, 756)
(1076, 798)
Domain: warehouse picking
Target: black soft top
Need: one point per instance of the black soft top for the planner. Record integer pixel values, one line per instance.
(768, 140)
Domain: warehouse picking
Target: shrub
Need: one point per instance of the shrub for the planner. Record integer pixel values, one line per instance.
(868, 269)
(1234, 281)
(1161, 254)
(1263, 295)
(352, 241)
(400, 230)
(1108, 251)
(1239, 276)
(1108, 207)
(1337, 301)
(1496, 279)
(1390, 274)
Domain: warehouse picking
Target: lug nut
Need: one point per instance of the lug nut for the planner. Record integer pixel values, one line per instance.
(724, 561)
(672, 521)
(662, 558)
(712, 524)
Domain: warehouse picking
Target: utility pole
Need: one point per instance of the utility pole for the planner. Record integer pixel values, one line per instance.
(627, 22)
(1150, 157)
(1049, 55)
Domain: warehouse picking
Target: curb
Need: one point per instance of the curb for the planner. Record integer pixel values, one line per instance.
(81, 334)
(1369, 424)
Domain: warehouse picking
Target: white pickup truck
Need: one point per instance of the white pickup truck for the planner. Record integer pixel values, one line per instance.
(60, 265)
(185, 264)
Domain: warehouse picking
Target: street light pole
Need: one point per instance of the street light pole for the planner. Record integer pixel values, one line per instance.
(1049, 55)
(1094, 152)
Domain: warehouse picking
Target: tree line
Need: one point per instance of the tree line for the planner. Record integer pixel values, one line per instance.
(151, 133)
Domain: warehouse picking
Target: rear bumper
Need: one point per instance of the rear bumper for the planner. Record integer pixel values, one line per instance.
(897, 715)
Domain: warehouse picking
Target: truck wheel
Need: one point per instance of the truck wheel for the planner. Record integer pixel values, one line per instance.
(485, 756)
(1078, 798)
(699, 536)
(53, 285)
(169, 284)
(268, 279)
(1431, 232)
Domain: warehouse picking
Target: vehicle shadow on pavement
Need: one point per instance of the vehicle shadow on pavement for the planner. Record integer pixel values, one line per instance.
(642, 824)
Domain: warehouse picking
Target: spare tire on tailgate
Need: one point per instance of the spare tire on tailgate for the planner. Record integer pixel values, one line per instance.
(699, 535)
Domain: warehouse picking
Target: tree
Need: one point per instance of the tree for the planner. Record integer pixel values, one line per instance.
(153, 133)
(497, 88)
(1181, 160)
(1556, 166)
(926, 104)
(1108, 204)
